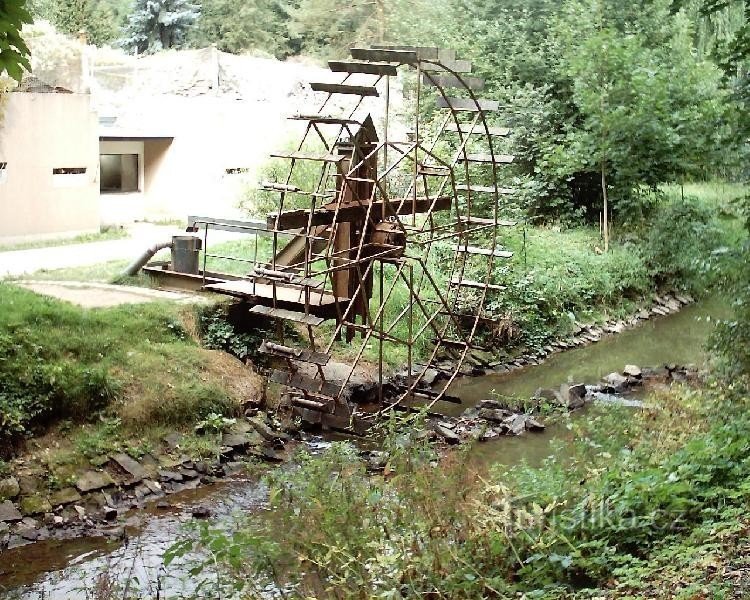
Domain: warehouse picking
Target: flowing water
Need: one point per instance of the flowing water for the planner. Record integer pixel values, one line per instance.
(72, 569)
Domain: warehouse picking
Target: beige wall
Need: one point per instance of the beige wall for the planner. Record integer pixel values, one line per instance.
(41, 132)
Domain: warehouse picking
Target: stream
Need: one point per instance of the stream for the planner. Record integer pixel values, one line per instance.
(68, 569)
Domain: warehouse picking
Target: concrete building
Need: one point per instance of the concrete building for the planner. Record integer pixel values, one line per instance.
(49, 164)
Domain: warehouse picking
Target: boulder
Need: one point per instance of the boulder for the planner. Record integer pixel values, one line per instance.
(131, 466)
(66, 495)
(9, 488)
(169, 475)
(29, 484)
(573, 395)
(632, 371)
(110, 513)
(93, 480)
(9, 513)
(173, 440)
(616, 381)
(201, 512)
(238, 441)
(516, 424)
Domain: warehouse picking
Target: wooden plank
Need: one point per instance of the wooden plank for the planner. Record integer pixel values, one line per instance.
(247, 288)
(286, 315)
(312, 404)
(451, 81)
(390, 55)
(498, 159)
(478, 129)
(468, 104)
(423, 52)
(302, 382)
(341, 88)
(314, 157)
(369, 68)
(328, 120)
(484, 251)
(300, 354)
(433, 170)
(456, 66)
(489, 189)
(295, 219)
(476, 284)
(486, 221)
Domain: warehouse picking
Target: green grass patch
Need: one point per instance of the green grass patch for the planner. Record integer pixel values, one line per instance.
(106, 234)
(140, 362)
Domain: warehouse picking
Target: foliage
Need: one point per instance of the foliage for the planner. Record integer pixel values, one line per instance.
(644, 492)
(219, 333)
(234, 27)
(669, 260)
(732, 338)
(94, 17)
(159, 25)
(14, 53)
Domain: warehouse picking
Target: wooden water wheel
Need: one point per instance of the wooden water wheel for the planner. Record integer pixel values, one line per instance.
(384, 241)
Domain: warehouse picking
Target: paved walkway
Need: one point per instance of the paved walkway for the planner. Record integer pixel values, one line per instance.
(16, 263)
(94, 295)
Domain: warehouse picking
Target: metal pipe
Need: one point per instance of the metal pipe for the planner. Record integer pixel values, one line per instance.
(133, 268)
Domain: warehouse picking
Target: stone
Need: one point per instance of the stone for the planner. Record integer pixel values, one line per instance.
(203, 467)
(34, 505)
(516, 424)
(235, 440)
(93, 480)
(430, 376)
(99, 460)
(131, 467)
(233, 468)
(110, 514)
(632, 371)
(141, 491)
(533, 425)
(446, 434)
(498, 415)
(9, 513)
(491, 403)
(162, 505)
(550, 395)
(169, 475)
(66, 495)
(616, 381)
(268, 433)
(9, 488)
(153, 486)
(189, 473)
(201, 512)
(173, 440)
(58, 521)
(28, 484)
(573, 395)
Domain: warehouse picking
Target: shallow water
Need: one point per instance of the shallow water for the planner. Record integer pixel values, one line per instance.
(71, 569)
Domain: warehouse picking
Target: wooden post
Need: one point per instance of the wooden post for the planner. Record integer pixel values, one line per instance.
(606, 211)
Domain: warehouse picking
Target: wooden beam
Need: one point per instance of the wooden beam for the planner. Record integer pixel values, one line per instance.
(468, 104)
(477, 130)
(390, 55)
(443, 81)
(295, 219)
(369, 68)
(340, 88)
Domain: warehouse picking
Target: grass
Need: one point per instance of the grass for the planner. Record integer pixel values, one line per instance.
(141, 364)
(106, 234)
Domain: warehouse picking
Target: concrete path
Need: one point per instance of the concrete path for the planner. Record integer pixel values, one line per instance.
(16, 263)
(96, 295)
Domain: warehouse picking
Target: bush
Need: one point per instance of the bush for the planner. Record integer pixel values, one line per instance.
(680, 240)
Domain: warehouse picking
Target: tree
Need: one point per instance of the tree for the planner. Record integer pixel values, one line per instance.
(159, 25)
(94, 17)
(14, 54)
(236, 26)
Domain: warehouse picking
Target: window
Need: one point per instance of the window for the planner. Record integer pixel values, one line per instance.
(69, 171)
(118, 172)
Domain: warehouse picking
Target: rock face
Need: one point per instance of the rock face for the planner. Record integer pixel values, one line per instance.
(9, 488)
(93, 480)
(9, 513)
(35, 505)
